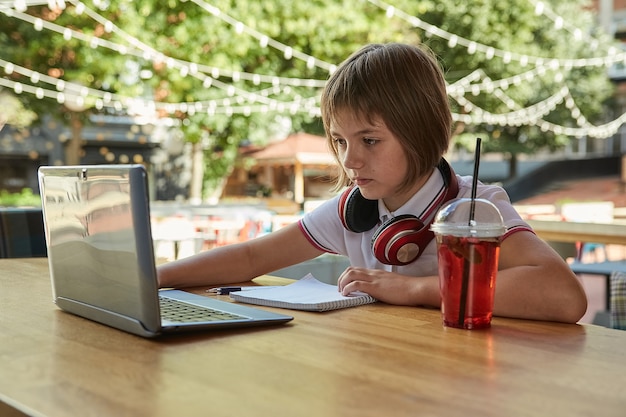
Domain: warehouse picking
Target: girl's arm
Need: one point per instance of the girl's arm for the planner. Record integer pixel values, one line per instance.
(241, 261)
(533, 282)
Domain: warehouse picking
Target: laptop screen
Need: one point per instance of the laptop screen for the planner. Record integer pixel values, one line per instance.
(97, 224)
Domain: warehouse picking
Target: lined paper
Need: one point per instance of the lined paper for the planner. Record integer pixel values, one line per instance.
(307, 293)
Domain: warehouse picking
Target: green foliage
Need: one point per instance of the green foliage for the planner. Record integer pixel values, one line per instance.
(13, 111)
(25, 198)
(329, 30)
(187, 32)
(514, 26)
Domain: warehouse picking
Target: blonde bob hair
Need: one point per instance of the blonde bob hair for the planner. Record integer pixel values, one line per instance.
(402, 85)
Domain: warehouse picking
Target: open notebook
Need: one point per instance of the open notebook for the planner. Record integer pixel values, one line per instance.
(305, 294)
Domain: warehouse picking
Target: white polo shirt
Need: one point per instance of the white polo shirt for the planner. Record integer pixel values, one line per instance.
(325, 231)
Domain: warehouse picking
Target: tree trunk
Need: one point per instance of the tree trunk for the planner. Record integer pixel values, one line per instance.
(512, 166)
(197, 174)
(74, 145)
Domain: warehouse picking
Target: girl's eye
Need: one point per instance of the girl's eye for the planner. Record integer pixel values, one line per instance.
(370, 141)
(340, 142)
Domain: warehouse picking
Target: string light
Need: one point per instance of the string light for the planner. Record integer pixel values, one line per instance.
(524, 116)
(151, 54)
(81, 94)
(247, 102)
(541, 9)
(156, 57)
(264, 40)
(613, 56)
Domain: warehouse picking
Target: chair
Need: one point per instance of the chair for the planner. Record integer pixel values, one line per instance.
(22, 233)
(618, 300)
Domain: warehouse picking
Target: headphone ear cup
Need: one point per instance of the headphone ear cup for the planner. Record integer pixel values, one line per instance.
(357, 213)
(399, 240)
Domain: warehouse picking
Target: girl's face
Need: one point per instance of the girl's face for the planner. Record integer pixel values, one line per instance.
(373, 158)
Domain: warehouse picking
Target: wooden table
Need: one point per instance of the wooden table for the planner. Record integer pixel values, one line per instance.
(365, 361)
(560, 231)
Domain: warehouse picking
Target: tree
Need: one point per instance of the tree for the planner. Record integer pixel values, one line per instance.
(173, 35)
(194, 34)
(233, 72)
(65, 58)
(490, 22)
(13, 111)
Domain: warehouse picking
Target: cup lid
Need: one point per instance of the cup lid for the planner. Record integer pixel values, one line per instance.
(455, 219)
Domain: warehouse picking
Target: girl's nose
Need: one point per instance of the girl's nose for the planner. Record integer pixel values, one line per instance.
(350, 158)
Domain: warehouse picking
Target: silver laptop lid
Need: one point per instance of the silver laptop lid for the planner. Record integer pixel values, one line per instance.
(97, 224)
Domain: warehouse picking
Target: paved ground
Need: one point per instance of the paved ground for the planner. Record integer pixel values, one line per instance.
(594, 189)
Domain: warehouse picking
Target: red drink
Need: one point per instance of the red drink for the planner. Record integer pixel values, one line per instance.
(467, 267)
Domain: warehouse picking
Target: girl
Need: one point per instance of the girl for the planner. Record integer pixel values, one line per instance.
(388, 123)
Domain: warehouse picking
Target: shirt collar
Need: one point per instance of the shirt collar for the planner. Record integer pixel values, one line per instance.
(420, 201)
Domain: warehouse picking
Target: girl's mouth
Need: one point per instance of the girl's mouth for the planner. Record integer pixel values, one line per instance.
(361, 181)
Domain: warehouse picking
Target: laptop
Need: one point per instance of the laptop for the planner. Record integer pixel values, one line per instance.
(101, 256)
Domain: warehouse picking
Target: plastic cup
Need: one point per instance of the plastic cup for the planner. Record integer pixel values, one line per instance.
(468, 235)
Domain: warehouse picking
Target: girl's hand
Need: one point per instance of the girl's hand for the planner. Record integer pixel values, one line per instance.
(390, 287)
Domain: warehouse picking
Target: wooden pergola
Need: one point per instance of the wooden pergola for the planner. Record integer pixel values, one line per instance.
(293, 156)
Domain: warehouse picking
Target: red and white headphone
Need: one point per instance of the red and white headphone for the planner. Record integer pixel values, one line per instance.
(399, 240)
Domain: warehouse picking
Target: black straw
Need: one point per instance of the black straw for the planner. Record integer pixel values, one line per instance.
(474, 181)
(466, 261)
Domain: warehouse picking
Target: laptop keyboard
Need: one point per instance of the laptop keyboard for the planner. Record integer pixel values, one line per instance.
(178, 311)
